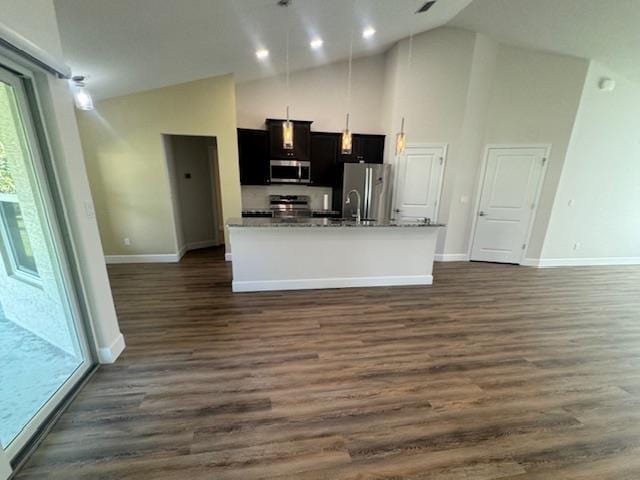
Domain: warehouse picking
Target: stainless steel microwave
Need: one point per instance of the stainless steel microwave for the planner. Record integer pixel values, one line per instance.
(290, 171)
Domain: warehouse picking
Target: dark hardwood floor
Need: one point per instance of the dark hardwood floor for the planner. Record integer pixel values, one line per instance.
(495, 371)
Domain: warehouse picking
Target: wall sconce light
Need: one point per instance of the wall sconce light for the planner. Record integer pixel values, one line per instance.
(81, 95)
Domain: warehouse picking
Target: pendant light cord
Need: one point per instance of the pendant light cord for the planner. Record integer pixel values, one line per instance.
(350, 71)
(287, 61)
(409, 65)
(349, 74)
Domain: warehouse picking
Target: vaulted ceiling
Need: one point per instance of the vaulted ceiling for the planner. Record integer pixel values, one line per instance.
(131, 45)
(604, 30)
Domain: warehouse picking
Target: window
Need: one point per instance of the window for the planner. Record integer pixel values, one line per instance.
(14, 239)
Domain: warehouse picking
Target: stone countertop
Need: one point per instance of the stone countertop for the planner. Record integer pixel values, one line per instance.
(269, 211)
(323, 222)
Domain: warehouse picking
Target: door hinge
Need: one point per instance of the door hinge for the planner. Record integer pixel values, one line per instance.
(441, 160)
(544, 159)
(524, 245)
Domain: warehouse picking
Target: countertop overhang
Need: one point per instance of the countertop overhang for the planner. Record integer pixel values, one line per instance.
(324, 222)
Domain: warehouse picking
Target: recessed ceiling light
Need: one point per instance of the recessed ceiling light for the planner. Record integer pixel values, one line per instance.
(262, 53)
(316, 43)
(368, 32)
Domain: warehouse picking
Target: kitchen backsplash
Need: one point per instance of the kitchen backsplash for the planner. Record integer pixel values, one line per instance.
(257, 197)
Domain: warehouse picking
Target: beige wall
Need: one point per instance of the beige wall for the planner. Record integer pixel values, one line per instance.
(34, 20)
(596, 214)
(124, 151)
(535, 99)
(433, 99)
(467, 91)
(318, 94)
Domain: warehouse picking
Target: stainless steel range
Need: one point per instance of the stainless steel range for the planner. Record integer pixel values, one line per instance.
(290, 206)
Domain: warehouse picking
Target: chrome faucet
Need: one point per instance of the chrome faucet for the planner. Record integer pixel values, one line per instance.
(348, 202)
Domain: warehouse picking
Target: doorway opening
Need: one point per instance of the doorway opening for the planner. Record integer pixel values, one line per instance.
(194, 185)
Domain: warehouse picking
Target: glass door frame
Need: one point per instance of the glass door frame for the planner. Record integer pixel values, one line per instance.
(59, 242)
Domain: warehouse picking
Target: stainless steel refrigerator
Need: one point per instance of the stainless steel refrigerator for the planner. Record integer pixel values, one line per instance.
(373, 182)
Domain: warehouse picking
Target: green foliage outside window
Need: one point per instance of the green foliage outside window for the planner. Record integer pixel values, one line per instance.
(6, 180)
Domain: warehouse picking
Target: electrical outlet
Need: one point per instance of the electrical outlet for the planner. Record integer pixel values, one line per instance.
(126, 241)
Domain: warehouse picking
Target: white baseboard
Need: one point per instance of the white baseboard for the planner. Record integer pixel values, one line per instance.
(228, 257)
(451, 257)
(157, 258)
(111, 353)
(580, 262)
(530, 262)
(316, 283)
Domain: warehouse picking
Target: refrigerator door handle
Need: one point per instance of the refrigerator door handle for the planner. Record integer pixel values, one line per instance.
(366, 193)
(370, 195)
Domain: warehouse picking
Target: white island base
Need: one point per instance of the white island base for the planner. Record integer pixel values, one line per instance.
(288, 257)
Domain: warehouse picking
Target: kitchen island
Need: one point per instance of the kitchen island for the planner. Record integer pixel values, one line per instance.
(308, 253)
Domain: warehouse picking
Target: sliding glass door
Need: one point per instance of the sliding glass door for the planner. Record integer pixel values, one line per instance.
(43, 347)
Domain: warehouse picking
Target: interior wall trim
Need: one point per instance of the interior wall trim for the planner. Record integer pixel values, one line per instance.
(580, 262)
(342, 282)
(111, 353)
(451, 257)
(155, 258)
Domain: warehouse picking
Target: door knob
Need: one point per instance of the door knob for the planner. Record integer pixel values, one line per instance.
(481, 213)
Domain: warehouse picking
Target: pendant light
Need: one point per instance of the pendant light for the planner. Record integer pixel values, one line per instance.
(401, 137)
(287, 126)
(347, 145)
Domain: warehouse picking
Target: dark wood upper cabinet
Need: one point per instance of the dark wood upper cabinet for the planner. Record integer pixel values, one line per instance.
(253, 156)
(301, 140)
(365, 148)
(257, 147)
(324, 153)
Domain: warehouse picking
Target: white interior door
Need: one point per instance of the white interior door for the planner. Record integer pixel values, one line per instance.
(418, 182)
(509, 192)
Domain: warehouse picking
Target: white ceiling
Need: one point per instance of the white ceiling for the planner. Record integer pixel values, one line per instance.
(125, 46)
(604, 30)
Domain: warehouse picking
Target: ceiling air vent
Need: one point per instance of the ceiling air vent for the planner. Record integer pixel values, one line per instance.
(426, 6)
